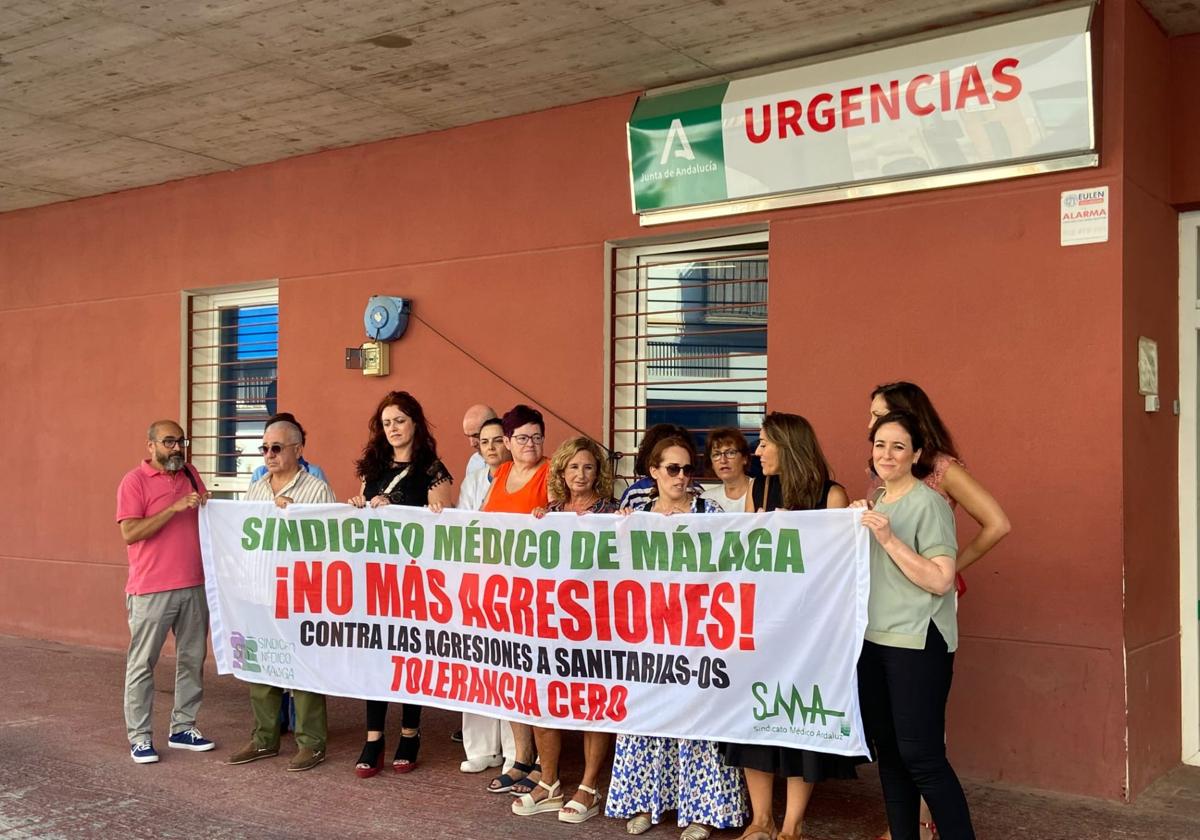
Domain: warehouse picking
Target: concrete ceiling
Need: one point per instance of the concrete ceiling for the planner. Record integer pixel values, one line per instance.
(104, 95)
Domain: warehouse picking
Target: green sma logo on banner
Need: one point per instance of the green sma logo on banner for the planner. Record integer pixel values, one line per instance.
(792, 704)
(676, 149)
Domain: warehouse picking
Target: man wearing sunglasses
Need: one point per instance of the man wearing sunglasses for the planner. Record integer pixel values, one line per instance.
(286, 483)
(157, 512)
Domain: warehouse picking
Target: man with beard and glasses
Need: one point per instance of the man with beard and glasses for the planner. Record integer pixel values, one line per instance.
(157, 505)
(286, 483)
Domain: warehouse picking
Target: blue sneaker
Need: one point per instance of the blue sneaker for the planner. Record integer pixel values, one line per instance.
(190, 739)
(143, 752)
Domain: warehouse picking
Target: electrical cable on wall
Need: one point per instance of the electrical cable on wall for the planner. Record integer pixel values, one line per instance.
(613, 456)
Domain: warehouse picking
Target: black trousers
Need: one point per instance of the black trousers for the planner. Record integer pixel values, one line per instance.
(903, 696)
(410, 715)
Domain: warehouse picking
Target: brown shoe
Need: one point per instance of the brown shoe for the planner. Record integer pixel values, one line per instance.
(252, 752)
(306, 759)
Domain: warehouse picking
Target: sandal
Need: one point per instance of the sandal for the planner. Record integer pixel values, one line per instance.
(697, 831)
(576, 812)
(638, 824)
(759, 832)
(933, 832)
(527, 806)
(526, 785)
(370, 760)
(405, 760)
(505, 781)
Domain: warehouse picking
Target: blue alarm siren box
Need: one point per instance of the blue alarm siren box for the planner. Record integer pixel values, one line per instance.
(386, 317)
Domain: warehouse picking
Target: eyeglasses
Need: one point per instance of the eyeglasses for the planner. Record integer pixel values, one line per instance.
(674, 469)
(524, 440)
(274, 448)
(726, 454)
(171, 443)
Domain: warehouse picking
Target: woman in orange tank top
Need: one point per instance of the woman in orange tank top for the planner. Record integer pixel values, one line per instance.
(519, 486)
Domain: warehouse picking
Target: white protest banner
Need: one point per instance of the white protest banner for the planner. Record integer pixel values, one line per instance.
(735, 627)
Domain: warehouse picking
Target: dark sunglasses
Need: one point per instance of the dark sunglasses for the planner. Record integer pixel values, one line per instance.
(274, 448)
(673, 469)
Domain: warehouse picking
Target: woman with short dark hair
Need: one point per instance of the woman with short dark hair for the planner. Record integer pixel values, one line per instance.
(519, 486)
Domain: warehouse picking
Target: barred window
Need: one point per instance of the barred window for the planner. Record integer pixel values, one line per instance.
(232, 375)
(688, 340)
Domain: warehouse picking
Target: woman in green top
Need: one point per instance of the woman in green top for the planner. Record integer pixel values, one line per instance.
(907, 662)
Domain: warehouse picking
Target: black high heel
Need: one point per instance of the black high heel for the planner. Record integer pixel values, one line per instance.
(370, 760)
(406, 753)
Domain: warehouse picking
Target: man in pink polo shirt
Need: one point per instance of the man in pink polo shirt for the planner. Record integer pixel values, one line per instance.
(157, 505)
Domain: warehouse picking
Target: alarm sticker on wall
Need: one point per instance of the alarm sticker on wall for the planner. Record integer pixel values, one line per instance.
(1083, 216)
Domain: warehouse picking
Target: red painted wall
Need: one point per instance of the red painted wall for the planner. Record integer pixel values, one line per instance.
(1185, 121)
(1150, 440)
(497, 231)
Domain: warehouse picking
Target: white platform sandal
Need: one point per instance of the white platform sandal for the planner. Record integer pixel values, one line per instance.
(527, 806)
(576, 812)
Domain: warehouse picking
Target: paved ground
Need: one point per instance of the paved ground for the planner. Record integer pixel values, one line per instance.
(65, 772)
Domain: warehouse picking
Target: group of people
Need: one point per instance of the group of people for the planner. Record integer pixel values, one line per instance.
(904, 672)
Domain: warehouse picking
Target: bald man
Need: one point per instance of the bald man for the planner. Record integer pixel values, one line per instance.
(475, 417)
(157, 513)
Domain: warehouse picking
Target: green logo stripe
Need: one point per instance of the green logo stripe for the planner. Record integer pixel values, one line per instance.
(676, 149)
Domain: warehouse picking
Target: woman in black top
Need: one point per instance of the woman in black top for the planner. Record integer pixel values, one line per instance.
(796, 476)
(399, 466)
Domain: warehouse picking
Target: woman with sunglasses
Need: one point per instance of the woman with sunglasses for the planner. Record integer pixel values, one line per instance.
(796, 476)
(907, 661)
(652, 775)
(399, 466)
(580, 482)
(519, 486)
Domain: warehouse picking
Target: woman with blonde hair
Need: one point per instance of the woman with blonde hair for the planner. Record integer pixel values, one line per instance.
(580, 482)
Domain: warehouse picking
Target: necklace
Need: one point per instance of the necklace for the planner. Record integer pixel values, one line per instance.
(670, 507)
(578, 505)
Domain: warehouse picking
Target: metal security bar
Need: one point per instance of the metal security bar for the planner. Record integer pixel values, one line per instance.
(688, 342)
(232, 366)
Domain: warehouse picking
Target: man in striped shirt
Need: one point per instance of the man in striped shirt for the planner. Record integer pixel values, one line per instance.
(286, 483)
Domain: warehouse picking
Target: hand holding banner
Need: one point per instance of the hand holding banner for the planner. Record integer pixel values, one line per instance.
(735, 627)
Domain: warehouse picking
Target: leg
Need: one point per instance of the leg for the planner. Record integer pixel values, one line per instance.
(148, 628)
(523, 739)
(481, 736)
(919, 690)
(899, 793)
(548, 743)
(595, 750)
(798, 794)
(191, 648)
(405, 759)
(762, 790)
(546, 796)
(264, 702)
(311, 725)
(370, 760)
(376, 719)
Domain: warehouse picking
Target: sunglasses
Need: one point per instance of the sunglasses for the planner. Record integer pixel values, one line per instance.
(274, 448)
(674, 469)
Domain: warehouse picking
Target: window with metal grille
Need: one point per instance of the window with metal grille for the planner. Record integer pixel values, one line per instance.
(688, 340)
(232, 366)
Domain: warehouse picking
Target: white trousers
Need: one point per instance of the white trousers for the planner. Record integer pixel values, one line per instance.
(485, 736)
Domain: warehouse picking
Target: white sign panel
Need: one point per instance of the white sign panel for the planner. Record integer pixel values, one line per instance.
(736, 627)
(1083, 216)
